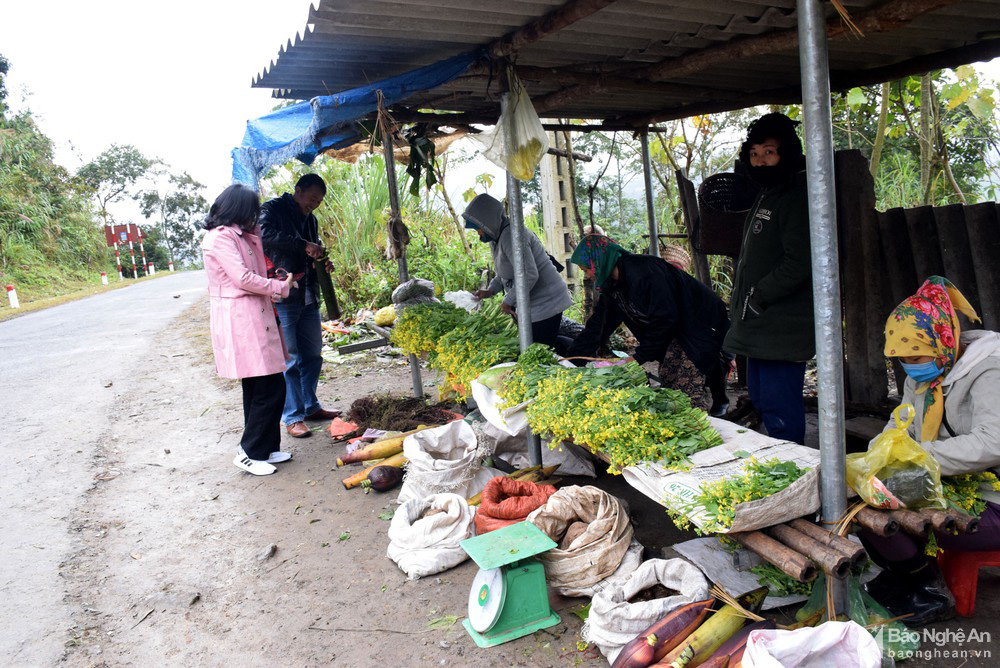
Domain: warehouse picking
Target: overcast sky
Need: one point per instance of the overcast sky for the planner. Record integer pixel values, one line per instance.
(172, 78)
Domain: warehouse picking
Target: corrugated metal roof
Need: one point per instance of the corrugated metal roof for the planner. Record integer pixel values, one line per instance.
(350, 43)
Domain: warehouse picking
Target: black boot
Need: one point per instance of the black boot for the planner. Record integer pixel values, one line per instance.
(913, 587)
(716, 381)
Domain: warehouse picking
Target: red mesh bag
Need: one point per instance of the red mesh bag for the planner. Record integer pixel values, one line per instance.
(506, 501)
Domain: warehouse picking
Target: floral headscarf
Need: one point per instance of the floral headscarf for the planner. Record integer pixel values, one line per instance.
(598, 253)
(926, 324)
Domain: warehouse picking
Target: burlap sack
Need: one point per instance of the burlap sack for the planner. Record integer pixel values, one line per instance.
(597, 552)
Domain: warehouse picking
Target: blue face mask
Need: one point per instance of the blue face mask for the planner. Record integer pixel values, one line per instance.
(922, 373)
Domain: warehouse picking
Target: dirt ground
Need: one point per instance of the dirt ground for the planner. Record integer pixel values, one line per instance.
(172, 564)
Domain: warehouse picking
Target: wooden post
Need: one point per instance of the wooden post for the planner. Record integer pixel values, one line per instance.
(689, 206)
(787, 560)
(404, 274)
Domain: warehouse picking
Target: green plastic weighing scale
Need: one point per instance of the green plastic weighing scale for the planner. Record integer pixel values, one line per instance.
(509, 598)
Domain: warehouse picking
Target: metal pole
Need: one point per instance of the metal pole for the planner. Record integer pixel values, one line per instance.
(404, 274)
(818, 134)
(521, 292)
(647, 173)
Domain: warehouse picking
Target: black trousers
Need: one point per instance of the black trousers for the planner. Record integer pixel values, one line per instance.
(547, 332)
(263, 401)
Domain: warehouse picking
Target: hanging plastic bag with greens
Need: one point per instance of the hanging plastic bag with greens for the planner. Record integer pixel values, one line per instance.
(518, 141)
(896, 472)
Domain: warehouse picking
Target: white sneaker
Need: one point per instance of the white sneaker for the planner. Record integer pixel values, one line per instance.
(254, 466)
(278, 457)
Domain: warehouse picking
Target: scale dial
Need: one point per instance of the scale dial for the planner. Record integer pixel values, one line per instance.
(486, 599)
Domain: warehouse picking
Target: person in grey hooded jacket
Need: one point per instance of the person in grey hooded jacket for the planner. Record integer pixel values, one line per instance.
(548, 293)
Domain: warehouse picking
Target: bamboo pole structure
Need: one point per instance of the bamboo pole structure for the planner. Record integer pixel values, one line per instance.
(787, 560)
(404, 274)
(881, 524)
(853, 551)
(826, 557)
(966, 523)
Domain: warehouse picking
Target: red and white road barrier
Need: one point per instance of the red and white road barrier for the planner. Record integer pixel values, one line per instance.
(142, 250)
(12, 296)
(104, 278)
(118, 261)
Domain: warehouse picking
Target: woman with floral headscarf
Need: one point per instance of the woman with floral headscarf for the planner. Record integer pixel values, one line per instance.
(953, 382)
(659, 303)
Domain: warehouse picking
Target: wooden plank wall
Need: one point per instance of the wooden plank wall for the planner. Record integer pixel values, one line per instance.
(886, 256)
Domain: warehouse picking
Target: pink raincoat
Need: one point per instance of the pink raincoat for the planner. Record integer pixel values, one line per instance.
(245, 336)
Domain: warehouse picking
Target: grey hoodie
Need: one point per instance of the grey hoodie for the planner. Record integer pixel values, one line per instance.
(971, 406)
(548, 293)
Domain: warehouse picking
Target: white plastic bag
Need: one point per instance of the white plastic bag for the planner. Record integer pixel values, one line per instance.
(613, 621)
(829, 645)
(423, 541)
(514, 450)
(518, 141)
(463, 299)
(445, 459)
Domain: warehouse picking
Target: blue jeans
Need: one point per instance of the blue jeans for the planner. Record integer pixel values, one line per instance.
(300, 324)
(776, 391)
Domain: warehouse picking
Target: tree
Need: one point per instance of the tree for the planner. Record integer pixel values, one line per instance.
(177, 212)
(4, 68)
(113, 175)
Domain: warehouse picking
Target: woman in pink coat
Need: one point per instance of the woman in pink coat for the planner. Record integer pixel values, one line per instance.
(246, 338)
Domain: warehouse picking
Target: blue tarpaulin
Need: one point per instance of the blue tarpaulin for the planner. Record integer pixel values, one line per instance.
(306, 129)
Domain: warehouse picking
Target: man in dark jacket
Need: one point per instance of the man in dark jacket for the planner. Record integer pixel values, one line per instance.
(290, 235)
(772, 303)
(658, 303)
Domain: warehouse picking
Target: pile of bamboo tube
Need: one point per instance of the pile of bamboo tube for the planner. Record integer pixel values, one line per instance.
(801, 549)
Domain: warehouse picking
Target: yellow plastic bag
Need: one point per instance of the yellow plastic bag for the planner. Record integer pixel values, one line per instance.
(385, 316)
(518, 142)
(896, 472)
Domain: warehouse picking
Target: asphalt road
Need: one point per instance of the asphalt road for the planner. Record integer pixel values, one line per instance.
(62, 372)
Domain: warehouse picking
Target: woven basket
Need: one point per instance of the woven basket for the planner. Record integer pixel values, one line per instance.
(676, 256)
(724, 201)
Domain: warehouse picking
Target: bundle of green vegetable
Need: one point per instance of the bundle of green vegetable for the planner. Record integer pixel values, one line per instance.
(720, 498)
(612, 410)
(461, 345)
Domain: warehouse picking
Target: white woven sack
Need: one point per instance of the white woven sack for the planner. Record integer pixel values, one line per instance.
(423, 546)
(613, 621)
(445, 459)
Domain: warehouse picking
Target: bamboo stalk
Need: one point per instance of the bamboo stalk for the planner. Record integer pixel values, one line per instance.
(940, 520)
(965, 523)
(787, 560)
(877, 522)
(830, 560)
(854, 552)
(911, 522)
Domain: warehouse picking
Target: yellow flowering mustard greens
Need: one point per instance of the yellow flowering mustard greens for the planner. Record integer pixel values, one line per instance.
(612, 410)
(459, 344)
(720, 498)
(965, 492)
(520, 382)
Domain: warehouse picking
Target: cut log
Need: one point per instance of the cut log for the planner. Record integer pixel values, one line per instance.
(853, 551)
(877, 522)
(826, 557)
(940, 520)
(911, 522)
(788, 561)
